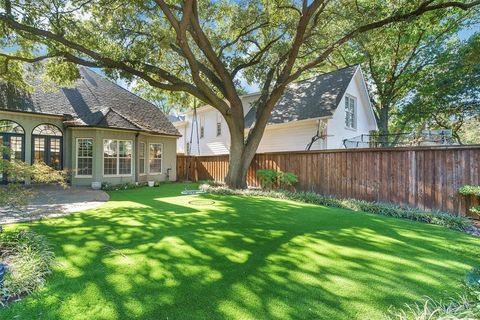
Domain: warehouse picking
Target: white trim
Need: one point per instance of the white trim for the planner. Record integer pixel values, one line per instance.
(142, 133)
(273, 126)
(144, 158)
(76, 158)
(161, 163)
(367, 95)
(118, 160)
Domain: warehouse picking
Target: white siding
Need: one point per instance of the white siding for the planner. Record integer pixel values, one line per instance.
(365, 120)
(210, 144)
(293, 136)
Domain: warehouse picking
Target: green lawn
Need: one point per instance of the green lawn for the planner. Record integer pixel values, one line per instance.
(150, 254)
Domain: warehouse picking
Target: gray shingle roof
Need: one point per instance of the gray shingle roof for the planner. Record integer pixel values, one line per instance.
(312, 98)
(92, 101)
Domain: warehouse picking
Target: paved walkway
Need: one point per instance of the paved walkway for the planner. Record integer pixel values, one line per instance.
(54, 201)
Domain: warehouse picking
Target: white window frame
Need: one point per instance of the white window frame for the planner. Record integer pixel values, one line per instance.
(144, 158)
(76, 157)
(355, 111)
(161, 164)
(118, 160)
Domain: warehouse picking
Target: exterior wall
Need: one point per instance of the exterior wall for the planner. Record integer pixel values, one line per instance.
(168, 156)
(336, 128)
(29, 122)
(294, 136)
(181, 141)
(210, 144)
(70, 135)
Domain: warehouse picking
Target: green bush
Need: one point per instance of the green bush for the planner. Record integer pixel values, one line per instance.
(465, 306)
(29, 260)
(438, 218)
(469, 190)
(269, 179)
(475, 210)
(287, 179)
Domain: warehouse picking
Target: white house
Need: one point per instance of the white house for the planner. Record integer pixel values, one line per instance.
(335, 105)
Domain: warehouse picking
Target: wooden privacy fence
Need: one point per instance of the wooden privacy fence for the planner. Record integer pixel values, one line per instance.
(422, 177)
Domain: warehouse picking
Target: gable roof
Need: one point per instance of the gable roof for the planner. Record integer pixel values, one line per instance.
(92, 101)
(311, 98)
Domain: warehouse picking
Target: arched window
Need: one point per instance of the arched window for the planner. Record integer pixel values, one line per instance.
(47, 145)
(12, 136)
(47, 130)
(8, 126)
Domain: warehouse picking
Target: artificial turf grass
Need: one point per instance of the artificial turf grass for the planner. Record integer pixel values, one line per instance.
(150, 254)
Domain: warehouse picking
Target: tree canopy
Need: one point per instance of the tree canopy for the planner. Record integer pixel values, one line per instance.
(449, 94)
(201, 48)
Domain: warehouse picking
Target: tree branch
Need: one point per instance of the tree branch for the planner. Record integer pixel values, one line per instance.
(421, 9)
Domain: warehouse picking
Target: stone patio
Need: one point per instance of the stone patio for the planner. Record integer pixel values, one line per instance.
(53, 201)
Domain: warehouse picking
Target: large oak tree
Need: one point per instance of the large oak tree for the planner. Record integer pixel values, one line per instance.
(199, 47)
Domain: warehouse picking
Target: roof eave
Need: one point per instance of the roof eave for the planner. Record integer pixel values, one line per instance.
(125, 129)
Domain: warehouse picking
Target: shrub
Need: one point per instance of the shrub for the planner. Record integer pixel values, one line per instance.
(475, 210)
(465, 306)
(469, 190)
(28, 258)
(287, 179)
(270, 178)
(267, 178)
(438, 218)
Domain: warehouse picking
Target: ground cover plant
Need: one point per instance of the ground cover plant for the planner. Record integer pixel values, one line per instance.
(465, 305)
(28, 260)
(150, 253)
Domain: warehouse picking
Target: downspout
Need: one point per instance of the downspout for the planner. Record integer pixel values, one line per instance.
(135, 158)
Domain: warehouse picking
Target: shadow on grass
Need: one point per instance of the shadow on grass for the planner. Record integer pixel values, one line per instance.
(150, 254)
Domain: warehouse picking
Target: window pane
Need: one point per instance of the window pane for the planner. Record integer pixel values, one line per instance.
(110, 166)
(110, 148)
(141, 164)
(125, 148)
(84, 157)
(55, 160)
(85, 166)
(155, 157)
(39, 150)
(156, 165)
(125, 165)
(10, 127)
(47, 130)
(16, 148)
(85, 147)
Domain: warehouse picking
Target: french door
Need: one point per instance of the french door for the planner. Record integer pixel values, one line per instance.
(47, 149)
(15, 144)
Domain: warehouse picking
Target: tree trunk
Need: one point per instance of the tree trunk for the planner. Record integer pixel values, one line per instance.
(242, 154)
(238, 164)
